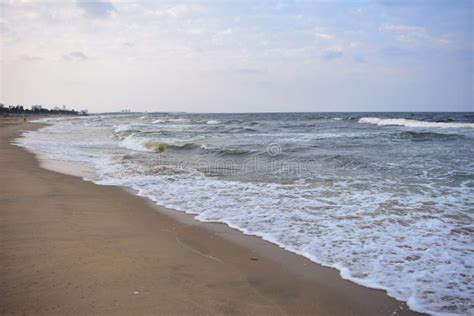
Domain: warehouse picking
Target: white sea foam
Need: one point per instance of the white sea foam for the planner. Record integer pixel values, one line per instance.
(341, 236)
(179, 120)
(171, 120)
(126, 127)
(212, 122)
(134, 143)
(413, 123)
(147, 144)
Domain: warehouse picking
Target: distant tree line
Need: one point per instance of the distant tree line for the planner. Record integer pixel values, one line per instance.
(36, 109)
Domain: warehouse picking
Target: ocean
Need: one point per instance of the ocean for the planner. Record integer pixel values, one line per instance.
(385, 198)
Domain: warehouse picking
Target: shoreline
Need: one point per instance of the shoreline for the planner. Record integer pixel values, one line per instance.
(199, 263)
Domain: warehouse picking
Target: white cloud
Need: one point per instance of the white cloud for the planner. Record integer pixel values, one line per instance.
(321, 33)
(333, 53)
(413, 35)
(178, 11)
(196, 30)
(20, 2)
(225, 32)
(29, 58)
(75, 56)
(354, 44)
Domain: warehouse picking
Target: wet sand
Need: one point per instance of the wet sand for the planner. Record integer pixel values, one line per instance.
(72, 247)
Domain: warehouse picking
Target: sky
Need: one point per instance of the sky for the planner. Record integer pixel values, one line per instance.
(238, 56)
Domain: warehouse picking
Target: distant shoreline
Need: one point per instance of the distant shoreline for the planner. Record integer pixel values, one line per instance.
(20, 110)
(37, 114)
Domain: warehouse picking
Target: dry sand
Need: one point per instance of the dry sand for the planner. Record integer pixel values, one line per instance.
(72, 247)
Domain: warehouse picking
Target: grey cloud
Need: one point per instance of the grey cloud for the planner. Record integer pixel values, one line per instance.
(249, 70)
(332, 54)
(240, 71)
(360, 59)
(29, 58)
(395, 51)
(75, 56)
(96, 8)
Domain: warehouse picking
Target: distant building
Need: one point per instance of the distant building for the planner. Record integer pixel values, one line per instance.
(57, 108)
(126, 111)
(84, 112)
(64, 108)
(2, 106)
(36, 107)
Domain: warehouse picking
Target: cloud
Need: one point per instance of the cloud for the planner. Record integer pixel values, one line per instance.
(240, 70)
(404, 32)
(322, 34)
(360, 59)
(394, 51)
(75, 56)
(412, 35)
(29, 58)
(332, 53)
(196, 30)
(178, 11)
(96, 8)
(249, 71)
(225, 32)
(20, 2)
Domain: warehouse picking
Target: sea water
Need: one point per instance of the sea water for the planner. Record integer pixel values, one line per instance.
(386, 198)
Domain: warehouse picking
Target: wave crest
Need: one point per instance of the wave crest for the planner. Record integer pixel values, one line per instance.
(413, 123)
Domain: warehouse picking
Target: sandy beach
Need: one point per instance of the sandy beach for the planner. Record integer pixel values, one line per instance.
(73, 247)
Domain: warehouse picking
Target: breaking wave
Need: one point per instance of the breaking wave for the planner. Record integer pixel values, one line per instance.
(413, 123)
